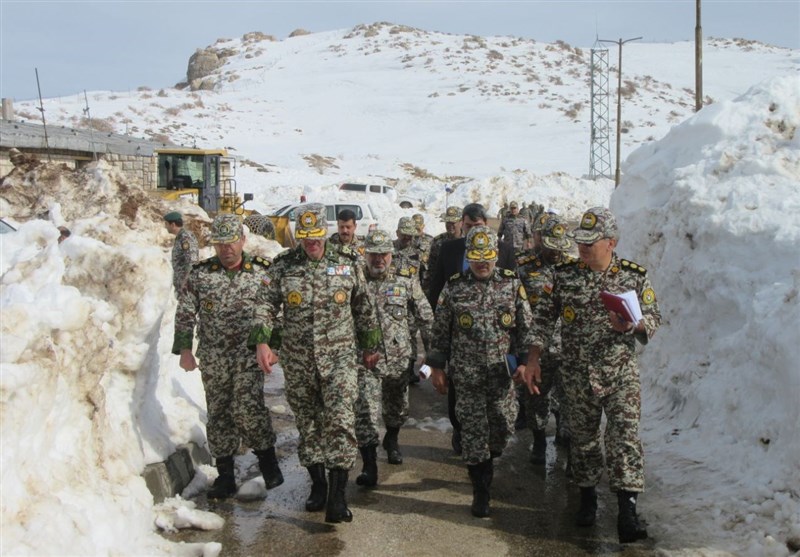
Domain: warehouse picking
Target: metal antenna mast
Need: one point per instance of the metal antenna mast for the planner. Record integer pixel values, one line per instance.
(600, 155)
(40, 108)
(91, 127)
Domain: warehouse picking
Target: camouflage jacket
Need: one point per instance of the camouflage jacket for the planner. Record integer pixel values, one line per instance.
(185, 253)
(327, 312)
(479, 322)
(220, 303)
(515, 229)
(357, 246)
(408, 258)
(589, 343)
(399, 300)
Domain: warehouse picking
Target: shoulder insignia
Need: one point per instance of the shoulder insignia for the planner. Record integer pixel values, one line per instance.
(403, 272)
(347, 251)
(568, 263)
(454, 277)
(261, 261)
(507, 273)
(632, 266)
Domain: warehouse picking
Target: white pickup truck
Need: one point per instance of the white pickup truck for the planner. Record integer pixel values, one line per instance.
(366, 216)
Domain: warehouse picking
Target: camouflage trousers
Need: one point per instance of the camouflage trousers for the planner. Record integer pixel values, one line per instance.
(624, 454)
(550, 398)
(235, 407)
(486, 406)
(389, 393)
(324, 407)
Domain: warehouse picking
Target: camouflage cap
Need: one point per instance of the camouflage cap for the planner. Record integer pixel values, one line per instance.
(226, 229)
(481, 244)
(378, 241)
(406, 226)
(311, 222)
(539, 221)
(554, 234)
(452, 214)
(173, 216)
(419, 221)
(513, 205)
(596, 223)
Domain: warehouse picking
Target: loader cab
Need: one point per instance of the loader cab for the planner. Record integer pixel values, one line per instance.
(206, 176)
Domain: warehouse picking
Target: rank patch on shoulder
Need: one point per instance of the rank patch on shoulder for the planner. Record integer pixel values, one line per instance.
(521, 292)
(568, 314)
(340, 296)
(465, 320)
(648, 296)
(294, 298)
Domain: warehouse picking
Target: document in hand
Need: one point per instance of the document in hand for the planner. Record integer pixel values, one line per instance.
(626, 304)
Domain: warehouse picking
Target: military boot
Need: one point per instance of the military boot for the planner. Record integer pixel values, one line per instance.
(268, 464)
(480, 475)
(319, 488)
(225, 484)
(369, 473)
(588, 511)
(393, 453)
(539, 449)
(628, 526)
(337, 510)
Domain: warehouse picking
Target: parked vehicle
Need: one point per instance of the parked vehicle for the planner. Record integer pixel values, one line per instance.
(284, 219)
(388, 191)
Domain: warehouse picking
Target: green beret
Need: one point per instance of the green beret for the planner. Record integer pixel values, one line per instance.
(174, 216)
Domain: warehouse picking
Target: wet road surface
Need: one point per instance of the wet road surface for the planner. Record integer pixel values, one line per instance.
(421, 507)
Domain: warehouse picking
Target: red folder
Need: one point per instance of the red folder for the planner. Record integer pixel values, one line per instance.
(626, 304)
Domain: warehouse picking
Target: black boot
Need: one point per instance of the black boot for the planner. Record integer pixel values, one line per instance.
(225, 484)
(455, 441)
(369, 473)
(628, 526)
(539, 449)
(588, 511)
(480, 474)
(337, 510)
(319, 488)
(390, 444)
(562, 434)
(268, 464)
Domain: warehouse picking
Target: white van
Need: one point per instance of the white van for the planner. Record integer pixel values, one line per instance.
(388, 191)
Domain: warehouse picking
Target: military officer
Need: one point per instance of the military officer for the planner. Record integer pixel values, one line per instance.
(398, 299)
(482, 317)
(515, 228)
(536, 275)
(184, 250)
(452, 223)
(346, 226)
(327, 319)
(601, 375)
(218, 297)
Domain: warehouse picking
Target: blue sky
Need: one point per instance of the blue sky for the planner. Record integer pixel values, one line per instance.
(103, 45)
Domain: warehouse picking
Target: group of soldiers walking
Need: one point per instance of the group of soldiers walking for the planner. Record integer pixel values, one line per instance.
(516, 324)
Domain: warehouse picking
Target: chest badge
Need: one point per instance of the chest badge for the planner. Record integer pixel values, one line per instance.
(340, 296)
(506, 319)
(568, 314)
(208, 305)
(294, 299)
(465, 320)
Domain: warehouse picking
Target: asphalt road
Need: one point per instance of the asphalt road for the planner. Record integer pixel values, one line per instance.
(421, 507)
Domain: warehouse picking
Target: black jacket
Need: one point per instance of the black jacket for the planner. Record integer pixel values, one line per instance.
(451, 259)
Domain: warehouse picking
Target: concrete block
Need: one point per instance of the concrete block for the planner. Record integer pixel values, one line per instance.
(168, 478)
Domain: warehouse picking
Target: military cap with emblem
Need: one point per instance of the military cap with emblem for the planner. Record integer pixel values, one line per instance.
(226, 229)
(452, 214)
(378, 241)
(555, 234)
(407, 226)
(481, 244)
(419, 220)
(173, 216)
(596, 223)
(312, 222)
(513, 205)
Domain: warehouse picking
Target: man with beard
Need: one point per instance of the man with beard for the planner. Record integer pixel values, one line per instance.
(327, 318)
(398, 300)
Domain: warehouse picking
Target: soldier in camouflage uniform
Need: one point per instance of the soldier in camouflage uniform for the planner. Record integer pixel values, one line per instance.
(398, 299)
(218, 297)
(423, 244)
(407, 255)
(482, 316)
(346, 226)
(261, 225)
(601, 374)
(515, 228)
(536, 274)
(327, 318)
(452, 222)
(184, 251)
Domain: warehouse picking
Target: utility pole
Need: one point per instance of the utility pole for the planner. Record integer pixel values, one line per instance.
(40, 108)
(698, 62)
(619, 42)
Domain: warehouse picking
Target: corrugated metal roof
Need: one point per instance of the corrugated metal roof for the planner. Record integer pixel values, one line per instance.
(31, 136)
